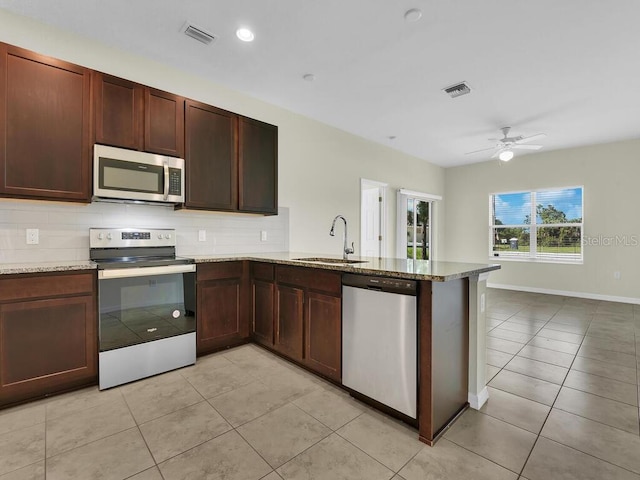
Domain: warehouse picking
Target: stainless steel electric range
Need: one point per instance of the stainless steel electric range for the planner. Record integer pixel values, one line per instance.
(146, 303)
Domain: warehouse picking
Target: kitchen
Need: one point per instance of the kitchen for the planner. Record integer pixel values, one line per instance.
(303, 221)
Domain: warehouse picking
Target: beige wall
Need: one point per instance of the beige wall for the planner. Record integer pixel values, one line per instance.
(610, 174)
(320, 166)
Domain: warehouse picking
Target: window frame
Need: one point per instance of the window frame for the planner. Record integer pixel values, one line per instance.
(533, 255)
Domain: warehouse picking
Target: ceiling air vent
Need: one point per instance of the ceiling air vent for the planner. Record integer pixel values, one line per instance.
(198, 33)
(457, 90)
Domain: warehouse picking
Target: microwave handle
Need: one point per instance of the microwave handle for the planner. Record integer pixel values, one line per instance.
(166, 180)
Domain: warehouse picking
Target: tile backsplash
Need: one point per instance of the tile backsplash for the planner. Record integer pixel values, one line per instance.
(64, 229)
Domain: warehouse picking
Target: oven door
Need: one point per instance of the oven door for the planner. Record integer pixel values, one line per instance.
(139, 305)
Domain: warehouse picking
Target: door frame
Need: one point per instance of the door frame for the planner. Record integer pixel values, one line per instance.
(401, 228)
(366, 184)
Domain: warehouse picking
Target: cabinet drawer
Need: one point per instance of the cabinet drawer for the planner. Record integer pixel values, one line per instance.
(218, 271)
(41, 286)
(262, 271)
(311, 278)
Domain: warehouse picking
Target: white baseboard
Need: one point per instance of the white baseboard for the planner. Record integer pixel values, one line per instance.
(566, 293)
(477, 401)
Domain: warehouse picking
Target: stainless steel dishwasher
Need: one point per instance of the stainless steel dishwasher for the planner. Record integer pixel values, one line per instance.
(379, 340)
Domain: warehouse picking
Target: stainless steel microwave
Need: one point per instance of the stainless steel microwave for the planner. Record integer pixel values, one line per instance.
(131, 176)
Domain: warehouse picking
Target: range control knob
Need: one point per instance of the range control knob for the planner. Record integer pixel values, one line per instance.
(100, 236)
(159, 236)
(109, 236)
(168, 236)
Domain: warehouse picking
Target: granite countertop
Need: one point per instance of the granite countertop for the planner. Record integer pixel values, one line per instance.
(44, 267)
(389, 267)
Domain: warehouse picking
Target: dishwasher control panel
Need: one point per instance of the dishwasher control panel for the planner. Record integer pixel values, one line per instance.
(385, 284)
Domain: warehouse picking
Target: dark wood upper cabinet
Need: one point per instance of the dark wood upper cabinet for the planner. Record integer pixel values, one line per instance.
(130, 115)
(210, 157)
(45, 127)
(52, 112)
(119, 111)
(257, 166)
(164, 123)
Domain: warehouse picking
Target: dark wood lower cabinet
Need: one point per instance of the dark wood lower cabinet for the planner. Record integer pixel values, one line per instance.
(222, 308)
(263, 305)
(289, 321)
(46, 344)
(307, 318)
(323, 334)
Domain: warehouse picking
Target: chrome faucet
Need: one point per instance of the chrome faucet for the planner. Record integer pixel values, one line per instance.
(347, 250)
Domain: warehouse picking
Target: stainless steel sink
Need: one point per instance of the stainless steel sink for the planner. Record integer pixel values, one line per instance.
(330, 260)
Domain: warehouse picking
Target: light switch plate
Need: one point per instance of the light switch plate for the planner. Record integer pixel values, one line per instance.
(33, 236)
(482, 303)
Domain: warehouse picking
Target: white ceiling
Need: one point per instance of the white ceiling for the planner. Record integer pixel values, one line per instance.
(568, 68)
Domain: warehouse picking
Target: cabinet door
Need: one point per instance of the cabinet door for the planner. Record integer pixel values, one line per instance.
(46, 346)
(289, 321)
(262, 327)
(119, 111)
(323, 334)
(163, 123)
(45, 127)
(258, 166)
(210, 154)
(222, 305)
(219, 314)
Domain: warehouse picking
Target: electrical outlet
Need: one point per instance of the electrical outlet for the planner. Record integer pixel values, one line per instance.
(263, 235)
(33, 236)
(202, 235)
(616, 275)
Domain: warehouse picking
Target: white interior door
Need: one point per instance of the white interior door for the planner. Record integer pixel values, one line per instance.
(372, 218)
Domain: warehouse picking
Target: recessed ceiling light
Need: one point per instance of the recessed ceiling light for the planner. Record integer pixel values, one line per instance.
(309, 77)
(413, 15)
(245, 34)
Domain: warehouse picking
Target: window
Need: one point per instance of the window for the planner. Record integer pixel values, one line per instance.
(542, 225)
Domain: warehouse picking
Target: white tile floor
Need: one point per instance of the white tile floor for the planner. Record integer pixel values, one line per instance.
(563, 404)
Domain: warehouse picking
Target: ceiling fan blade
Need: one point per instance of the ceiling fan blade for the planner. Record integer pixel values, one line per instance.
(527, 147)
(483, 150)
(530, 138)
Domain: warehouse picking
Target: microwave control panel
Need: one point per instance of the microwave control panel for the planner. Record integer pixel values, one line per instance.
(175, 181)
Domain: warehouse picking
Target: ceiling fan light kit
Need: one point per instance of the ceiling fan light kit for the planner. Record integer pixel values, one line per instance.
(505, 146)
(505, 155)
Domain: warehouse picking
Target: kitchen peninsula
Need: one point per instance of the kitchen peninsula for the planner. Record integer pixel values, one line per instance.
(294, 308)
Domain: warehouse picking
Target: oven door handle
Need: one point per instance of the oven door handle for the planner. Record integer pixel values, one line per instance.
(145, 271)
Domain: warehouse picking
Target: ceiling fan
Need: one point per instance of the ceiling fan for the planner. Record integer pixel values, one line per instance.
(505, 146)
